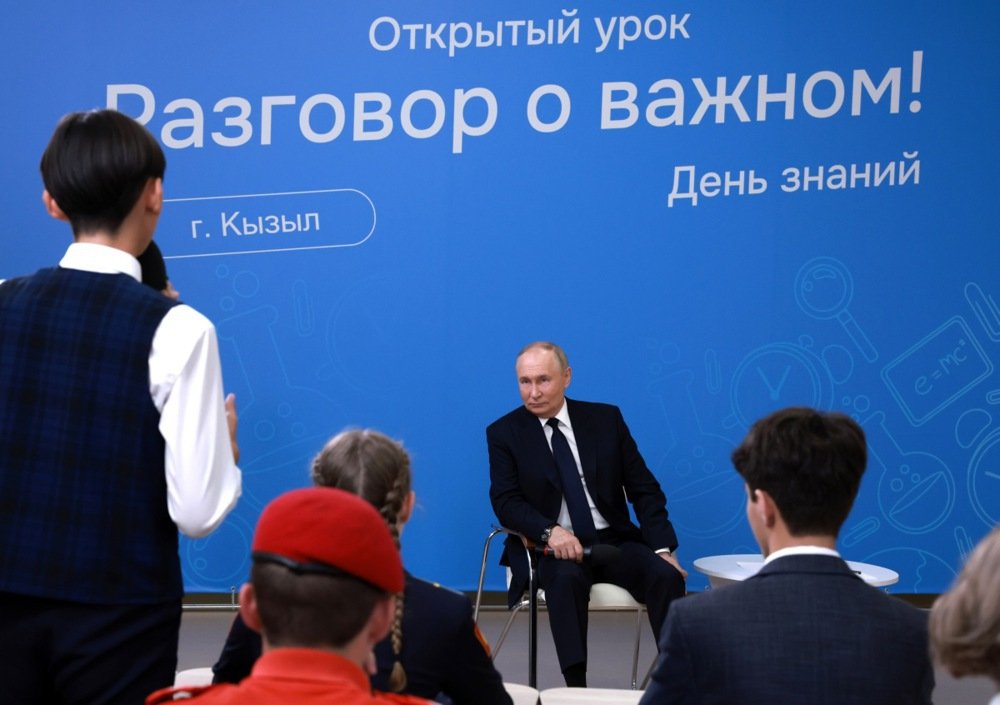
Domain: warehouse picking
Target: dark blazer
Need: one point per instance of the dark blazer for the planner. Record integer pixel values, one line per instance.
(806, 629)
(526, 492)
(442, 652)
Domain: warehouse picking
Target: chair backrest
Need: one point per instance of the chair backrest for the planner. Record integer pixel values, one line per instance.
(606, 596)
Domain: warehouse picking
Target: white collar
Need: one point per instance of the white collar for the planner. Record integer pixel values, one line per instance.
(562, 415)
(801, 551)
(102, 259)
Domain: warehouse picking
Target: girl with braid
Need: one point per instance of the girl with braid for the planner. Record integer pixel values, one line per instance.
(435, 650)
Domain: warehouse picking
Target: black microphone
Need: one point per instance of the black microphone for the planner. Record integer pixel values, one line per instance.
(600, 554)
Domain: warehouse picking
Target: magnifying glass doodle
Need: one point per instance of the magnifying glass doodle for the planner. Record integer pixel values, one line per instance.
(823, 289)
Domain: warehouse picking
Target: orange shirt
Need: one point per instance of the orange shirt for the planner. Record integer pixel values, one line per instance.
(293, 676)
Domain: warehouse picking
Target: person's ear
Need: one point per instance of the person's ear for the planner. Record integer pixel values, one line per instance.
(406, 511)
(52, 208)
(248, 607)
(768, 510)
(381, 619)
(154, 196)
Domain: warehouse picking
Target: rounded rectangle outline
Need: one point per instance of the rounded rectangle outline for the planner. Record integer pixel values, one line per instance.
(277, 193)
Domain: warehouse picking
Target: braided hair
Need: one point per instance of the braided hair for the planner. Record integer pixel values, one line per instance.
(376, 468)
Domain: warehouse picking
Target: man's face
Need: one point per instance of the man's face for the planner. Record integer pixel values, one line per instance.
(542, 383)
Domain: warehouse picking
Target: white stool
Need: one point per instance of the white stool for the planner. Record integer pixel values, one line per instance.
(590, 696)
(521, 694)
(190, 677)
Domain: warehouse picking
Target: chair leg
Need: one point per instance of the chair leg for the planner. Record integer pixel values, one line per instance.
(482, 574)
(649, 671)
(638, 637)
(506, 627)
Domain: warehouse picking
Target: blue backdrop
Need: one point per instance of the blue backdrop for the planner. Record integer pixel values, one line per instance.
(717, 208)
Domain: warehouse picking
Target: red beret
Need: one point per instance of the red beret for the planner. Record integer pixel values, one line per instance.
(318, 528)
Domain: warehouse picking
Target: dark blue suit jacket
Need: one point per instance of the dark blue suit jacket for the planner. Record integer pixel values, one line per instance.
(526, 492)
(806, 629)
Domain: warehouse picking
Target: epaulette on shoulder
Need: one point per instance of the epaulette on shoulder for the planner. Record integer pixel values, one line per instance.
(439, 586)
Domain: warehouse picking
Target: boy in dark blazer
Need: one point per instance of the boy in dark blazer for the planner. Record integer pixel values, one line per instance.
(114, 434)
(806, 628)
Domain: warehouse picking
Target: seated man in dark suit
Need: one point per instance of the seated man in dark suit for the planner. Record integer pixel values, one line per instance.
(806, 628)
(560, 472)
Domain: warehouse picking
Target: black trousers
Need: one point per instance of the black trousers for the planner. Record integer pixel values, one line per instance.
(646, 576)
(69, 653)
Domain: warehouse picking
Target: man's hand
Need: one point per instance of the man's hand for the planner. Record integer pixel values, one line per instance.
(563, 544)
(232, 421)
(672, 560)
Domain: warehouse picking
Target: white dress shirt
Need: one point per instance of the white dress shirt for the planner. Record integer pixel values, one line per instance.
(185, 383)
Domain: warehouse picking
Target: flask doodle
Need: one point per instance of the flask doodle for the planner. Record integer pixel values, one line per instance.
(916, 490)
(919, 571)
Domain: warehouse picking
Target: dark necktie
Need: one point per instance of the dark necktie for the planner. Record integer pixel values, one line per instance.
(576, 500)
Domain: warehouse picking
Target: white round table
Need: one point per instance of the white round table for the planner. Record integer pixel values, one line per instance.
(734, 567)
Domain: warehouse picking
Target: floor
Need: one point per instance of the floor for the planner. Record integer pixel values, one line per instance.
(612, 635)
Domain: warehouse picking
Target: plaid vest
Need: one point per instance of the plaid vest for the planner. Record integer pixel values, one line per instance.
(83, 495)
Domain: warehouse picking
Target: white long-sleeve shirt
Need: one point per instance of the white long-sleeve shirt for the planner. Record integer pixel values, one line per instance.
(185, 383)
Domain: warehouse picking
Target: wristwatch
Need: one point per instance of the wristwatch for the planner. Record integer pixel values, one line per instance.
(547, 534)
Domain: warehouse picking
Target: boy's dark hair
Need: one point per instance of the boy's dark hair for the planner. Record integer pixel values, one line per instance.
(95, 168)
(811, 464)
(310, 610)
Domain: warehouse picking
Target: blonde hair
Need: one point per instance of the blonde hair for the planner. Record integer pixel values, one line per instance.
(965, 621)
(377, 469)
